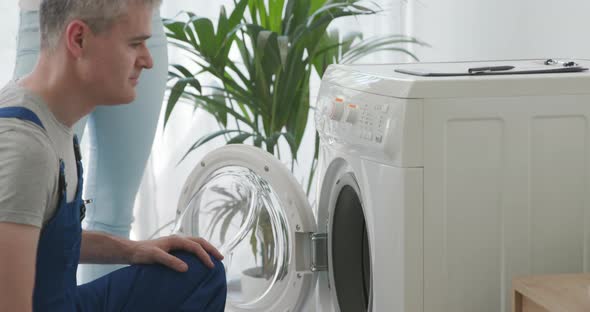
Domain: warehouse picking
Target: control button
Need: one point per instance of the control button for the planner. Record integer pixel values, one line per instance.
(353, 115)
(385, 108)
(337, 111)
(378, 138)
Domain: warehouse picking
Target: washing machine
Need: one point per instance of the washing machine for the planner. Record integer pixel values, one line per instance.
(437, 184)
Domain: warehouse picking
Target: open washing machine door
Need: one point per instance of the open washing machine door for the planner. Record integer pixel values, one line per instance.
(247, 203)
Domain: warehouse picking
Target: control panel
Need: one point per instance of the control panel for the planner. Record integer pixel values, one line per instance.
(353, 119)
(376, 127)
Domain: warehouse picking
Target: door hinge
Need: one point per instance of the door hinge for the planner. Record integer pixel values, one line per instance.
(312, 252)
(319, 252)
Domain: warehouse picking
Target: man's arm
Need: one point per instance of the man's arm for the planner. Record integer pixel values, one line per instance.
(98, 247)
(18, 253)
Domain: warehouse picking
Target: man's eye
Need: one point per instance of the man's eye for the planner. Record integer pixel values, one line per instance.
(136, 44)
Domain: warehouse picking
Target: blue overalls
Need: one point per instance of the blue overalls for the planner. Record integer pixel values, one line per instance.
(133, 288)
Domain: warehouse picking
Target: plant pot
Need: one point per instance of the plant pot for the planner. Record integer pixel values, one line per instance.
(253, 283)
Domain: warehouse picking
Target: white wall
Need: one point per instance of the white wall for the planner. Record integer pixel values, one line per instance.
(500, 29)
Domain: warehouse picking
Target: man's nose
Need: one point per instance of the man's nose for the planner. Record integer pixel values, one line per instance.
(146, 60)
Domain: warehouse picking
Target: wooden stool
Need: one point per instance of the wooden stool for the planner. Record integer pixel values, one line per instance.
(551, 293)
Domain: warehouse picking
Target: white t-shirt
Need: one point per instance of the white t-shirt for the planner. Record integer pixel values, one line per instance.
(29, 5)
(29, 160)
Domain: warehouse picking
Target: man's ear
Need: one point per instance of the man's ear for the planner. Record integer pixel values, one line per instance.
(76, 36)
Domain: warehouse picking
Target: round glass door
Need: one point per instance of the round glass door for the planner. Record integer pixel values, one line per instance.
(239, 212)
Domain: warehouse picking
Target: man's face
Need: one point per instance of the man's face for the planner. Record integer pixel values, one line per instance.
(115, 58)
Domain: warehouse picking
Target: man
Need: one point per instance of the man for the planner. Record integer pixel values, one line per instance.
(92, 53)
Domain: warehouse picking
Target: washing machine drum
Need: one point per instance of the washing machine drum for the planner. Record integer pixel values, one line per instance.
(350, 254)
(248, 204)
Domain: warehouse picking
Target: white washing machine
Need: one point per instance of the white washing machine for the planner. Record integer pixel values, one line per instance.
(436, 187)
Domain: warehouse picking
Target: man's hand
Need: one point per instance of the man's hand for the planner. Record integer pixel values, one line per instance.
(156, 251)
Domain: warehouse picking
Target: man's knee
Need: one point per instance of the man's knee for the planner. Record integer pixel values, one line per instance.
(199, 271)
(207, 286)
(218, 274)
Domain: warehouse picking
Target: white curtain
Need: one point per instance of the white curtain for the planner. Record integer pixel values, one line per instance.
(156, 203)
(9, 26)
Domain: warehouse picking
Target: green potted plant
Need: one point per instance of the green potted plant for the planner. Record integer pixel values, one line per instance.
(261, 95)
